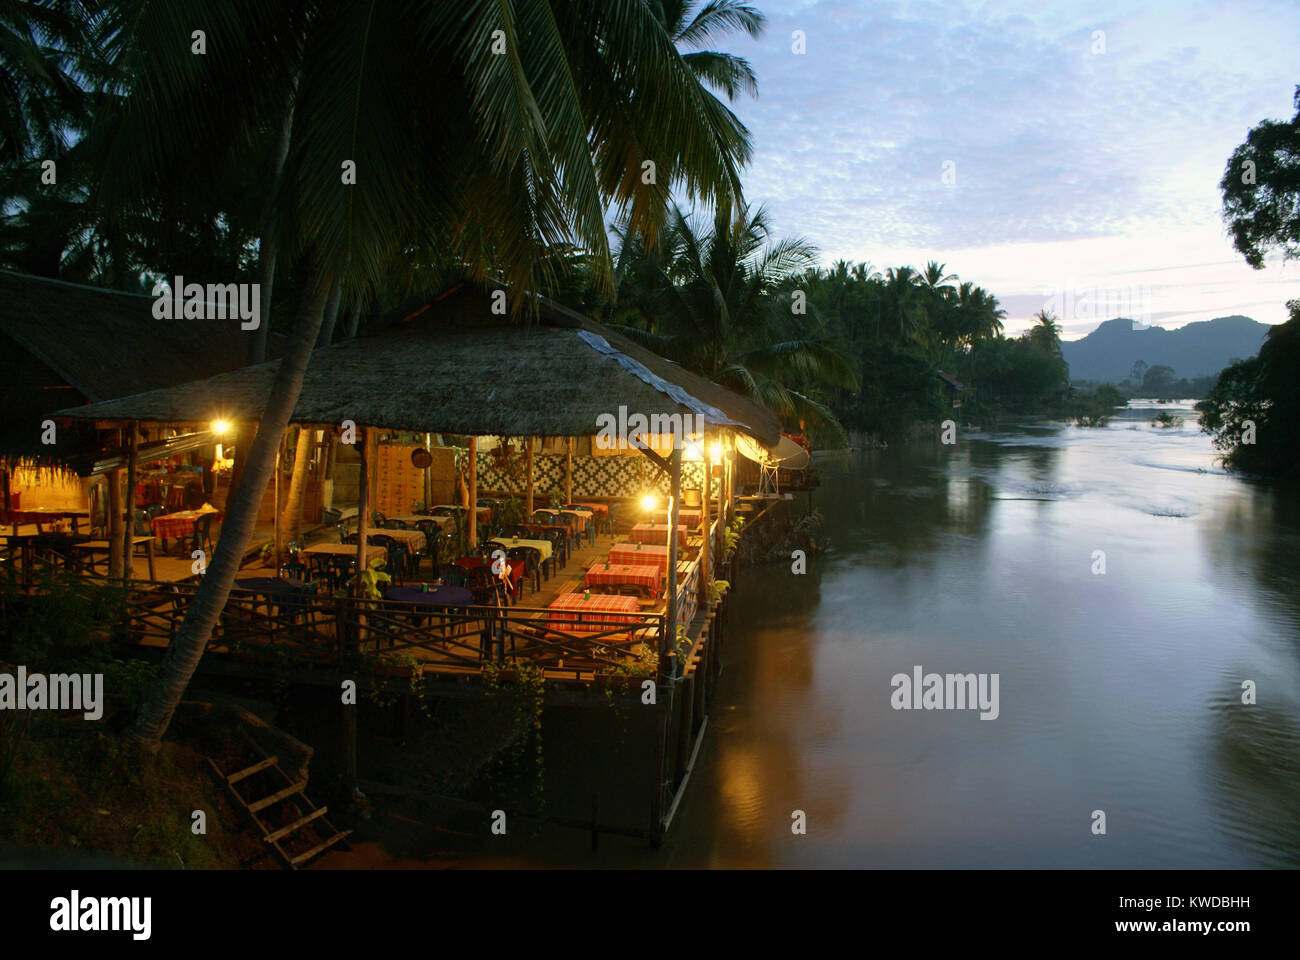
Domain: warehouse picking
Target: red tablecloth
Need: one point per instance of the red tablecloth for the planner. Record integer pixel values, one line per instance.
(627, 553)
(598, 612)
(600, 509)
(516, 570)
(686, 515)
(657, 533)
(624, 574)
(179, 524)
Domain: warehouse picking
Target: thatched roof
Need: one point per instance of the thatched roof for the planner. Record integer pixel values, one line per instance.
(105, 343)
(452, 366)
(65, 343)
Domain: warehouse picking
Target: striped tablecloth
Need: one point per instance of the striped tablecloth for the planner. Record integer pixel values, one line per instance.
(650, 576)
(414, 518)
(484, 514)
(178, 524)
(628, 554)
(685, 515)
(346, 550)
(657, 533)
(573, 613)
(543, 547)
(414, 539)
(543, 527)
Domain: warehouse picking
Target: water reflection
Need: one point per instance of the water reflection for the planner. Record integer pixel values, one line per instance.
(1120, 691)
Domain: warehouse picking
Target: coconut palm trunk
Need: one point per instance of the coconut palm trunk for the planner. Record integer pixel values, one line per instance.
(291, 518)
(266, 242)
(187, 647)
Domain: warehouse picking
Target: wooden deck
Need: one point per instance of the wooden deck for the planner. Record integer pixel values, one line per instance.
(391, 638)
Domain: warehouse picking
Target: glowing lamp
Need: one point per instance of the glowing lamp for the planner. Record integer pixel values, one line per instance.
(219, 427)
(649, 502)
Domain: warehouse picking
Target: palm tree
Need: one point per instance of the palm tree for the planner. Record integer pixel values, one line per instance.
(497, 157)
(691, 28)
(721, 306)
(1046, 333)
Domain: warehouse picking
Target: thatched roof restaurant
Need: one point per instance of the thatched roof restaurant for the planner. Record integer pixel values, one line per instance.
(452, 366)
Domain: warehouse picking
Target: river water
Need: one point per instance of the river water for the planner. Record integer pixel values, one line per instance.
(1118, 692)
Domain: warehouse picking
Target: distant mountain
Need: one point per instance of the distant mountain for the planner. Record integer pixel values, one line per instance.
(1197, 350)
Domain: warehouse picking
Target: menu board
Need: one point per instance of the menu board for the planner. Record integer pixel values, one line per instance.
(399, 484)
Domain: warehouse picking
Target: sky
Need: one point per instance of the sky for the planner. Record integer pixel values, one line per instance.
(1061, 155)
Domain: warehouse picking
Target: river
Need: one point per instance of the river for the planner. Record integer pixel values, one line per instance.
(1119, 692)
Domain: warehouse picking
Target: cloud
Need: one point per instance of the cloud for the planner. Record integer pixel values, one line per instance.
(1049, 141)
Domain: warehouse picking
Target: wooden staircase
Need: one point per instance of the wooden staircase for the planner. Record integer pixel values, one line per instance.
(295, 828)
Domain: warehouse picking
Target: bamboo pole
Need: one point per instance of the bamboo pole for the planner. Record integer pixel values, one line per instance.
(674, 500)
(115, 523)
(473, 492)
(131, 461)
(363, 502)
(278, 532)
(568, 471)
(428, 474)
(528, 460)
(706, 570)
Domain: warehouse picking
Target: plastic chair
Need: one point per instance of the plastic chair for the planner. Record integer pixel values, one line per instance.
(559, 548)
(202, 538)
(531, 558)
(452, 575)
(294, 570)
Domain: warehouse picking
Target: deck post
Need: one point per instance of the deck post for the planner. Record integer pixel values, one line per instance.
(428, 481)
(128, 547)
(674, 500)
(687, 686)
(115, 521)
(528, 464)
(568, 470)
(659, 794)
(705, 568)
(473, 492)
(363, 502)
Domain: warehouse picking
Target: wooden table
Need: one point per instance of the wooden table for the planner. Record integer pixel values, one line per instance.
(657, 533)
(346, 550)
(646, 576)
(574, 613)
(414, 539)
(179, 524)
(414, 518)
(628, 553)
(687, 515)
(96, 547)
(41, 515)
(544, 547)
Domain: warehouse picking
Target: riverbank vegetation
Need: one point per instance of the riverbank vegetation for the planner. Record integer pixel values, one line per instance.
(1253, 411)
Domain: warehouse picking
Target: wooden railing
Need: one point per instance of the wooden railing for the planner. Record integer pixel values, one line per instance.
(334, 631)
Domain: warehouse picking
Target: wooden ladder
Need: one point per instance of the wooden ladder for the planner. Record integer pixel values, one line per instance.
(292, 802)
